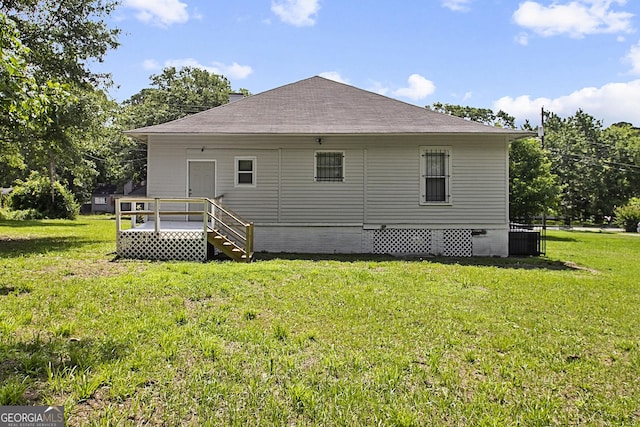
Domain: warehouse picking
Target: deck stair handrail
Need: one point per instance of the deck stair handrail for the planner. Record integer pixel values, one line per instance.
(229, 232)
(225, 230)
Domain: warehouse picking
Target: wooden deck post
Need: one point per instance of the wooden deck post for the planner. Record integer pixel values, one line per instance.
(134, 217)
(206, 204)
(156, 214)
(118, 209)
(249, 243)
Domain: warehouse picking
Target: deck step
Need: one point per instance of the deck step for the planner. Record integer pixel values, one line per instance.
(227, 246)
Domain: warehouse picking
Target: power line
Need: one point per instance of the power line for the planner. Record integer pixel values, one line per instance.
(593, 161)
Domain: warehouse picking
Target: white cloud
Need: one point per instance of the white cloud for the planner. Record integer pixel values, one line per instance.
(335, 76)
(150, 64)
(634, 58)
(523, 39)
(296, 12)
(419, 88)
(162, 13)
(378, 88)
(613, 102)
(233, 71)
(457, 5)
(576, 18)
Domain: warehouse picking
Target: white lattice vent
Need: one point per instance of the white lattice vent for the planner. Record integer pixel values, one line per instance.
(449, 242)
(402, 241)
(457, 243)
(165, 245)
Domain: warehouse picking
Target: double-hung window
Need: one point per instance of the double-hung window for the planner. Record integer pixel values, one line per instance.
(435, 177)
(329, 166)
(245, 171)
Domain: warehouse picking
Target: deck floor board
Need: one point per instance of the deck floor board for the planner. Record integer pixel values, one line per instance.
(168, 226)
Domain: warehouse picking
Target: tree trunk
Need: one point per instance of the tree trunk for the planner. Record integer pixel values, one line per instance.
(52, 174)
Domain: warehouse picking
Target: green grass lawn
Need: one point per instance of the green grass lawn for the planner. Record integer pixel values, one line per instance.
(342, 341)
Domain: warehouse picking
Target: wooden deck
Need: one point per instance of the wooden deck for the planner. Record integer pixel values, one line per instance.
(160, 229)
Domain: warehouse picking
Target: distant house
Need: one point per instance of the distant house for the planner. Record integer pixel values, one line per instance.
(324, 167)
(102, 198)
(104, 195)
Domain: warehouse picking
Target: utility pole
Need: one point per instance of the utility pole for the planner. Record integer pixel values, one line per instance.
(541, 128)
(544, 208)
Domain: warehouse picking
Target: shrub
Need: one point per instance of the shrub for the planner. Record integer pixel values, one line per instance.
(34, 197)
(27, 214)
(20, 215)
(628, 216)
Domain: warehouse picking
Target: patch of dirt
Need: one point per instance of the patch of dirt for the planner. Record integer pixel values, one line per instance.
(127, 411)
(5, 238)
(572, 265)
(97, 268)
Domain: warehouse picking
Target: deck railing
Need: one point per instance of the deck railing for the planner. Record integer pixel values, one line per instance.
(226, 222)
(216, 218)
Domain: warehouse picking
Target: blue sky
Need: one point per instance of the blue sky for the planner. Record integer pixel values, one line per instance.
(512, 55)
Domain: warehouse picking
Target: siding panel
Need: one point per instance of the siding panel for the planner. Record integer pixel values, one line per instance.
(478, 185)
(303, 200)
(286, 192)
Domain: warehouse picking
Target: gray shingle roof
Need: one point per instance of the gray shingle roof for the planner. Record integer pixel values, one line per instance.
(321, 107)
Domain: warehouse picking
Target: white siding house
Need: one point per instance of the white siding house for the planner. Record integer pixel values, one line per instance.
(323, 167)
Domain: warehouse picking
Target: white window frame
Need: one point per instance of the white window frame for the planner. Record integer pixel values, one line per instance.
(100, 200)
(237, 171)
(315, 166)
(424, 151)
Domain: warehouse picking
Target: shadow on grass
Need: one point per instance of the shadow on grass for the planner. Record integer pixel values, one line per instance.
(525, 263)
(560, 239)
(6, 290)
(39, 223)
(12, 248)
(34, 363)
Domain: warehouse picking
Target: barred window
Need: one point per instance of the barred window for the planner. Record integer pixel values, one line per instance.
(435, 175)
(330, 166)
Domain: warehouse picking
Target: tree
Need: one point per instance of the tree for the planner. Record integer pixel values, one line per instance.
(622, 177)
(61, 38)
(533, 188)
(64, 36)
(25, 104)
(628, 216)
(597, 168)
(86, 142)
(175, 93)
(481, 115)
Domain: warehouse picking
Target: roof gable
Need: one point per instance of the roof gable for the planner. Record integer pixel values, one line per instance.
(319, 106)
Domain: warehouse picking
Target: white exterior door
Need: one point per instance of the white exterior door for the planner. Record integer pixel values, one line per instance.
(202, 183)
